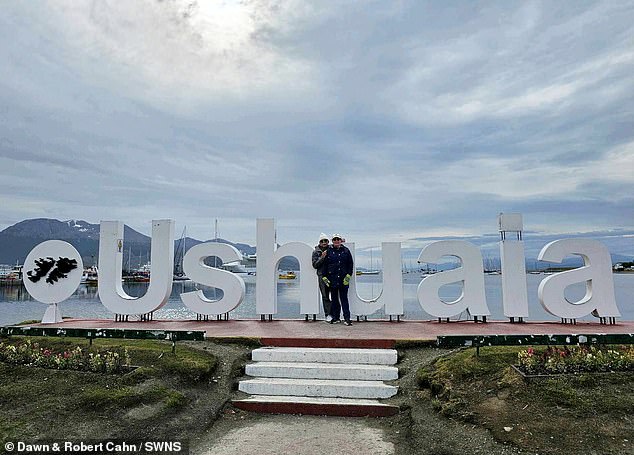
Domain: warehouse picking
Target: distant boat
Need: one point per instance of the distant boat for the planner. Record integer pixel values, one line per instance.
(367, 272)
(234, 267)
(427, 272)
(371, 271)
(140, 275)
(11, 275)
(287, 276)
(90, 276)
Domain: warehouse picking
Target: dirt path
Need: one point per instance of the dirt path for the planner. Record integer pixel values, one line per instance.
(417, 429)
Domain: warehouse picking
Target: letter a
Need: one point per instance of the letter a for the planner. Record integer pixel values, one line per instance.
(471, 274)
(596, 272)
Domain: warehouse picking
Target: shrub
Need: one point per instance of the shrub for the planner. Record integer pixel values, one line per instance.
(576, 359)
(31, 354)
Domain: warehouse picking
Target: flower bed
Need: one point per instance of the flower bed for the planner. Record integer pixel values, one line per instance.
(32, 354)
(575, 359)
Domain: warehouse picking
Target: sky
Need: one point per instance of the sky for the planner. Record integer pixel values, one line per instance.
(381, 121)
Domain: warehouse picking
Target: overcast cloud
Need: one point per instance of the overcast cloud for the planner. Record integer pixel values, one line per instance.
(379, 120)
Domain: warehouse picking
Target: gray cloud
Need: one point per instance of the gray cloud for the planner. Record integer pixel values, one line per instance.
(386, 121)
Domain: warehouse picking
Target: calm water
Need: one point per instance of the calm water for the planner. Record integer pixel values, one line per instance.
(16, 305)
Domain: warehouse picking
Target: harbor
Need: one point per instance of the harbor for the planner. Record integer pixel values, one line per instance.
(16, 305)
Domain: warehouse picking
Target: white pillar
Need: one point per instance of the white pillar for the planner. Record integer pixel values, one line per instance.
(514, 288)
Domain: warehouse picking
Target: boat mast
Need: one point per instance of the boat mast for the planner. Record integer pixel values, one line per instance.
(215, 239)
(215, 257)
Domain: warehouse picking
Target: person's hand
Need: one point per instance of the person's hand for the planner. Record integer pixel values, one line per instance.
(324, 253)
(346, 280)
(326, 281)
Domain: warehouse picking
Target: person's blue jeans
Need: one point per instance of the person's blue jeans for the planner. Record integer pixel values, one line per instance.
(337, 295)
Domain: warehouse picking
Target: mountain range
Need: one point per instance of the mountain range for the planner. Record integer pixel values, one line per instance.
(18, 240)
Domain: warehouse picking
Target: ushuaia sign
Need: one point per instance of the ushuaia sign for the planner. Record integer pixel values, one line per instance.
(54, 270)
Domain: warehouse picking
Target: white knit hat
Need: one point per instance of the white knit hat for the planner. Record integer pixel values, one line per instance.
(337, 236)
(323, 236)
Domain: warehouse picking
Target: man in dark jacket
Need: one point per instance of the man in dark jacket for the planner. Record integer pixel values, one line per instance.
(319, 263)
(339, 272)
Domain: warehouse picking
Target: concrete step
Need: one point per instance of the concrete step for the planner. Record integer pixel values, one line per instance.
(346, 407)
(326, 355)
(299, 370)
(317, 388)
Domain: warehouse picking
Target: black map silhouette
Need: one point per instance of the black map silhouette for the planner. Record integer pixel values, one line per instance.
(44, 266)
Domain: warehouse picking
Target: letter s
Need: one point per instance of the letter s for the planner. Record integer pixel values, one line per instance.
(195, 268)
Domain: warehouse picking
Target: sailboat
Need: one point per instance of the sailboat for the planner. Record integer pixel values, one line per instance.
(371, 271)
(181, 249)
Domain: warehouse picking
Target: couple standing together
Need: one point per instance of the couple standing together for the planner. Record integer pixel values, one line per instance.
(334, 269)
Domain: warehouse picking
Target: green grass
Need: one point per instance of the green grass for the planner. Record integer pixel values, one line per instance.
(46, 403)
(154, 357)
(566, 414)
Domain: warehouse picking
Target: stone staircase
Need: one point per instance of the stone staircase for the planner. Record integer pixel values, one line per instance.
(320, 381)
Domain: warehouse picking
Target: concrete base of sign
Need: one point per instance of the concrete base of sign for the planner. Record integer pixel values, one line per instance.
(297, 333)
(52, 315)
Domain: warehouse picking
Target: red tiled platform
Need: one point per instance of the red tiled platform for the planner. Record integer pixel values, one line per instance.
(369, 334)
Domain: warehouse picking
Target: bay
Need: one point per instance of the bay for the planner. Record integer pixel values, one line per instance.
(16, 305)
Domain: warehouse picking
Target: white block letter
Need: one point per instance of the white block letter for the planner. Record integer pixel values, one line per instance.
(471, 274)
(266, 271)
(391, 296)
(514, 290)
(231, 285)
(596, 272)
(111, 290)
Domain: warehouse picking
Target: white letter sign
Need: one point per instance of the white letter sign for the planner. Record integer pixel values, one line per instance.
(266, 271)
(596, 272)
(111, 290)
(471, 274)
(231, 284)
(52, 272)
(391, 296)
